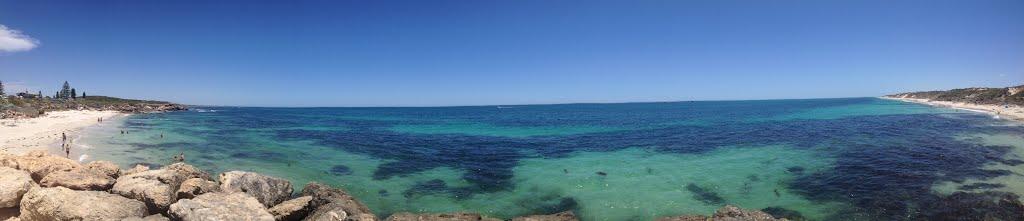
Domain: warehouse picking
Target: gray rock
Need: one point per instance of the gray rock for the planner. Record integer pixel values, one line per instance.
(156, 217)
(104, 167)
(324, 195)
(191, 188)
(39, 163)
(686, 218)
(13, 185)
(187, 171)
(562, 216)
(459, 216)
(268, 190)
(78, 179)
(733, 213)
(292, 210)
(137, 169)
(59, 203)
(220, 207)
(156, 188)
(727, 213)
(331, 212)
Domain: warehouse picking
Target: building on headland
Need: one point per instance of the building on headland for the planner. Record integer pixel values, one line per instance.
(27, 95)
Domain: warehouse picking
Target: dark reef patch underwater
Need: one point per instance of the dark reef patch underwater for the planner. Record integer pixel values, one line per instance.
(820, 159)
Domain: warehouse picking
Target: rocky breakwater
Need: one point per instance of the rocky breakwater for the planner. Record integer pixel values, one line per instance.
(38, 186)
(145, 108)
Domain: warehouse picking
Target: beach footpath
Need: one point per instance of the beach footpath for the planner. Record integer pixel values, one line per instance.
(38, 186)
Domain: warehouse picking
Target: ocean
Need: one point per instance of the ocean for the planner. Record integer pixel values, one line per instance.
(814, 159)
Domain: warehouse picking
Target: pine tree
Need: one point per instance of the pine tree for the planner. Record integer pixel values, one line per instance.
(73, 94)
(2, 88)
(40, 94)
(65, 91)
(83, 94)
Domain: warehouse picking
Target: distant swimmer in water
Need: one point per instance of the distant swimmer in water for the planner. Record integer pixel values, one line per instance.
(161, 135)
(566, 171)
(180, 157)
(602, 173)
(777, 193)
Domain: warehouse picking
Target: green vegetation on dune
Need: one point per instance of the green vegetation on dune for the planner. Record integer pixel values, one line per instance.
(27, 104)
(1008, 95)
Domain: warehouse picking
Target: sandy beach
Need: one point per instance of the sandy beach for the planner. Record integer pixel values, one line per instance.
(18, 136)
(1010, 112)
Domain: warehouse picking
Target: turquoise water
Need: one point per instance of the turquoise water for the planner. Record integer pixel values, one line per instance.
(822, 159)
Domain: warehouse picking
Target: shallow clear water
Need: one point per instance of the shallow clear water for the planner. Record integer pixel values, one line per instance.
(821, 159)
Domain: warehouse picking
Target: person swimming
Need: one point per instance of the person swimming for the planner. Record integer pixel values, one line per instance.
(180, 157)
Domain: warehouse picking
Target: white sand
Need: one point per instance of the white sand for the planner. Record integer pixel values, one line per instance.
(18, 136)
(1011, 112)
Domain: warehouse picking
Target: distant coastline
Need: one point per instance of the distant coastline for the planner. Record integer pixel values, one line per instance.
(1007, 103)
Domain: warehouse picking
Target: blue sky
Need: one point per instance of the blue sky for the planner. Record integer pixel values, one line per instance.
(477, 52)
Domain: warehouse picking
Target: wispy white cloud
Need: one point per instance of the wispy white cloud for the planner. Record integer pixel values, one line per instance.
(14, 41)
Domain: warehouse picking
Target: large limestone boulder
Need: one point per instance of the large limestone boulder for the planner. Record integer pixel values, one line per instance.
(39, 163)
(104, 167)
(220, 207)
(13, 185)
(562, 216)
(292, 210)
(156, 188)
(268, 190)
(335, 212)
(191, 188)
(727, 213)
(7, 160)
(78, 179)
(440, 217)
(59, 203)
(324, 195)
(137, 169)
(156, 217)
(188, 171)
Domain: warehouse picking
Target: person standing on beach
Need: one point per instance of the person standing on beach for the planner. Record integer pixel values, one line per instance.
(64, 145)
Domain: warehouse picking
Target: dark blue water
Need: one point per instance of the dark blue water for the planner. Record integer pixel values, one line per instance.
(825, 159)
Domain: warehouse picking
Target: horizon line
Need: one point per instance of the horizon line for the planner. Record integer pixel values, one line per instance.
(531, 104)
